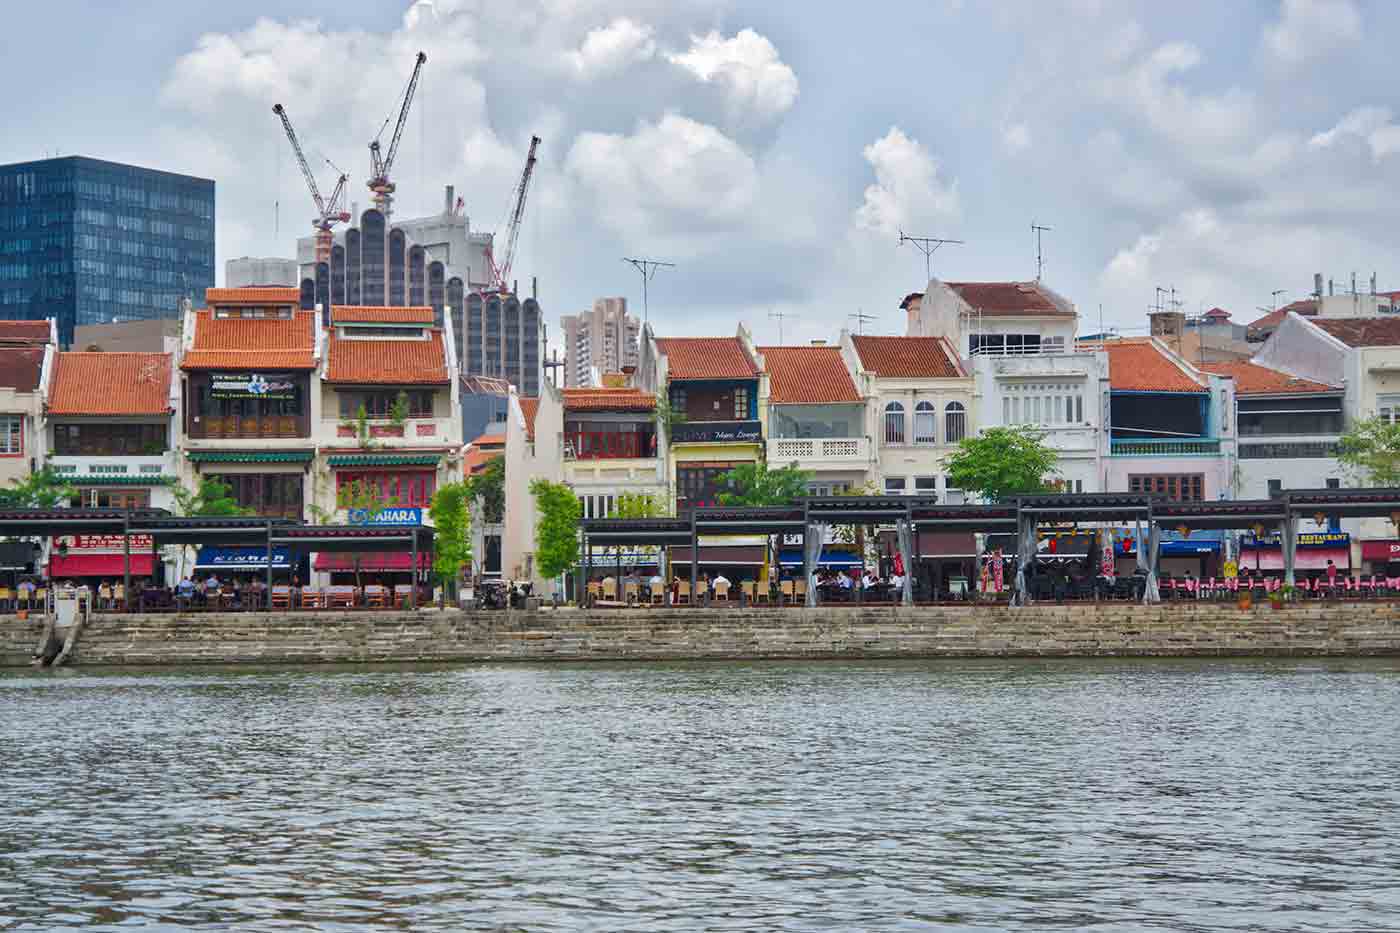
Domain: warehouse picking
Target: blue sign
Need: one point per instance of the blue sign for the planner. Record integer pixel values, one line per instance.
(241, 558)
(393, 516)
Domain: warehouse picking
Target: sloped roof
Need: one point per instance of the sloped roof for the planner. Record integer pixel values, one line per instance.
(595, 399)
(256, 295)
(388, 361)
(490, 441)
(252, 343)
(1138, 364)
(476, 458)
(530, 407)
(1253, 379)
(907, 357)
(1307, 307)
(358, 314)
(110, 384)
(12, 332)
(1363, 331)
(21, 368)
(1010, 298)
(1218, 313)
(807, 376)
(706, 358)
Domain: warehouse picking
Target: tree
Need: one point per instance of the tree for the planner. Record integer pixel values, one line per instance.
(667, 415)
(489, 486)
(557, 514)
(212, 497)
(637, 505)
(1371, 450)
(754, 484)
(1002, 462)
(452, 541)
(42, 490)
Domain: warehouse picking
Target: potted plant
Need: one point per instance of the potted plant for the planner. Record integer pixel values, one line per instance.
(1245, 599)
(1288, 592)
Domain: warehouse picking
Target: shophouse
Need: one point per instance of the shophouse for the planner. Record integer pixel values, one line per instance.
(27, 349)
(817, 419)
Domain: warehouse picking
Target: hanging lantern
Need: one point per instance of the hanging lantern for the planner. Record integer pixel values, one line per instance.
(1184, 530)
(1054, 545)
(1320, 518)
(1259, 531)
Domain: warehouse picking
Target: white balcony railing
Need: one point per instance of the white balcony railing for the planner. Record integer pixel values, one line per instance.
(820, 449)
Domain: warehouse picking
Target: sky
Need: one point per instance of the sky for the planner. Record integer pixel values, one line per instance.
(774, 150)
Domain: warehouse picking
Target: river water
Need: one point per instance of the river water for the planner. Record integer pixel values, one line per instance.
(1166, 795)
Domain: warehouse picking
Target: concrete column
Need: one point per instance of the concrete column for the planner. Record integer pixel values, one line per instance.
(126, 561)
(267, 596)
(1025, 557)
(1288, 540)
(1147, 558)
(906, 552)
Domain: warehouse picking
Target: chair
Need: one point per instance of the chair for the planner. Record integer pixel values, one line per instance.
(658, 594)
(610, 589)
(282, 597)
(763, 593)
(340, 597)
(748, 592)
(595, 591)
(701, 588)
(310, 598)
(376, 596)
(683, 592)
(631, 592)
(799, 590)
(5, 598)
(785, 591)
(402, 592)
(722, 591)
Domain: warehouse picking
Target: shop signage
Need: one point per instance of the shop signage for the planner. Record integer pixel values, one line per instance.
(106, 544)
(392, 516)
(252, 385)
(1305, 539)
(716, 432)
(1380, 550)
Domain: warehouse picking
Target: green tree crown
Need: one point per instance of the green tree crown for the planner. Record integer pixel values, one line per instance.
(756, 484)
(557, 514)
(1002, 462)
(1370, 450)
(452, 542)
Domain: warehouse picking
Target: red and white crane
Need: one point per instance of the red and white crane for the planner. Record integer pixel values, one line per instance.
(381, 188)
(500, 273)
(328, 212)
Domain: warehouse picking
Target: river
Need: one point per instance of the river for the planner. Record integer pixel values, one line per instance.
(1007, 795)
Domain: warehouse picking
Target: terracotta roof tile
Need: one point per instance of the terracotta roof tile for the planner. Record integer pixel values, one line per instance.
(110, 384)
(387, 362)
(1363, 331)
(1253, 379)
(488, 441)
(594, 399)
(356, 314)
(1306, 307)
(252, 343)
(706, 358)
(12, 332)
(1010, 298)
(530, 407)
(257, 295)
(807, 376)
(907, 357)
(475, 460)
(1138, 364)
(21, 368)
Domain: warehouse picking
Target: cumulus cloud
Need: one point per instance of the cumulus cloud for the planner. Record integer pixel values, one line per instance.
(755, 80)
(907, 187)
(1372, 125)
(1308, 29)
(613, 47)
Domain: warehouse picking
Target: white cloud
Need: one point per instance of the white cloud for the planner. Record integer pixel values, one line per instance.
(907, 187)
(1016, 138)
(612, 48)
(1309, 29)
(1370, 124)
(756, 82)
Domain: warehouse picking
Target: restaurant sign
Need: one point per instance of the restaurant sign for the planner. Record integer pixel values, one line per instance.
(105, 544)
(1305, 539)
(252, 385)
(392, 516)
(717, 432)
(1380, 550)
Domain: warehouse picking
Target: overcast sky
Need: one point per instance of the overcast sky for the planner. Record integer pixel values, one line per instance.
(774, 149)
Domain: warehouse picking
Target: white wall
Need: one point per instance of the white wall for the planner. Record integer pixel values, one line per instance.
(526, 461)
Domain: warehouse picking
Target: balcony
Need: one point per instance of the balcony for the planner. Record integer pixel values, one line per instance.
(828, 452)
(1164, 447)
(248, 427)
(717, 432)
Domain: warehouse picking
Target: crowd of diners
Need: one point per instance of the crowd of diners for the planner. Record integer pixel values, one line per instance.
(208, 592)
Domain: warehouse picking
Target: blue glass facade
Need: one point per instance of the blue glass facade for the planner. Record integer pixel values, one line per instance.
(89, 242)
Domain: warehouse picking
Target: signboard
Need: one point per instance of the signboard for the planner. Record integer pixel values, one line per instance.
(1232, 570)
(105, 544)
(1380, 550)
(252, 385)
(392, 516)
(241, 558)
(717, 432)
(1305, 539)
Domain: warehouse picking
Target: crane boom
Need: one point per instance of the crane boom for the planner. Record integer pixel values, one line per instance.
(517, 214)
(301, 159)
(328, 213)
(381, 165)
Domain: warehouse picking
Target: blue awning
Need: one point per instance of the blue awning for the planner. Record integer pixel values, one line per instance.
(241, 558)
(828, 559)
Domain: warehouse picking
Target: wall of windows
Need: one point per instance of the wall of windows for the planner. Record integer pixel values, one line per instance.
(11, 435)
(699, 485)
(95, 438)
(105, 497)
(1043, 403)
(274, 495)
(814, 421)
(398, 487)
(1179, 487)
(714, 401)
(603, 440)
(1290, 416)
(379, 403)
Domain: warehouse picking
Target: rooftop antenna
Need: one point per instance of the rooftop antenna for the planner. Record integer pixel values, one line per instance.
(778, 316)
(928, 245)
(648, 267)
(1274, 295)
(861, 317)
(1038, 229)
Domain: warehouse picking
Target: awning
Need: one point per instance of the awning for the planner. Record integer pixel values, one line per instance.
(251, 456)
(719, 556)
(1177, 547)
(143, 564)
(372, 561)
(1310, 559)
(241, 558)
(383, 460)
(1380, 550)
(829, 558)
(117, 479)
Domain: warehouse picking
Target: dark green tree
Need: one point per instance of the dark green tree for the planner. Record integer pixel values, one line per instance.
(1370, 450)
(557, 514)
(1002, 462)
(452, 539)
(755, 484)
(45, 489)
(490, 487)
(211, 497)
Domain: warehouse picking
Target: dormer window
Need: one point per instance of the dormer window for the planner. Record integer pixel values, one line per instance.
(382, 332)
(283, 313)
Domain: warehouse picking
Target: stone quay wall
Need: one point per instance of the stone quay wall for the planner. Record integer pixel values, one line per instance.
(1083, 630)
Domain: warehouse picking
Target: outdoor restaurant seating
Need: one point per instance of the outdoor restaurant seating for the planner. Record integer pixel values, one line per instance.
(658, 593)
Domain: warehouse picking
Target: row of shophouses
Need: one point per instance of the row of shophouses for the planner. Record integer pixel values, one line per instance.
(287, 406)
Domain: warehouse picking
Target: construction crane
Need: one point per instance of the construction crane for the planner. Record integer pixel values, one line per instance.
(381, 188)
(328, 212)
(500, 274)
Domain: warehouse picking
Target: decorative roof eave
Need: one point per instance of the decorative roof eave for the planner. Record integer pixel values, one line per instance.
(105, 479)
(414, 459)
(380, 383)
(251, 456)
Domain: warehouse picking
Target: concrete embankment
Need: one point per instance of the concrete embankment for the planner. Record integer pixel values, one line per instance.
(1087, 630)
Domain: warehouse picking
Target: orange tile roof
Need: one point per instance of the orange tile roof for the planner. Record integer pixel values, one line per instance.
(252, 343)
(110, 384)
(706, 358)
(21, 368)
(257, 295)
(497, 441)
(388, 362)
(1253, 379)
(622, 399)
(1137, 364)
(1307, 307)
(357, 314)
(530, 407)
(807, 376)
(1009, 298)
(475, 460)
(1363, 331)
(12, 332)
(907, 357)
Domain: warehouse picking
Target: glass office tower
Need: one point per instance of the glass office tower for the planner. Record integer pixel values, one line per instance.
(93, 242)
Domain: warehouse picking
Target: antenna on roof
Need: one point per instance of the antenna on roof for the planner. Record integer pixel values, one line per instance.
(1037, 229)
(928, 245)
(778, 316)
(647, 267)
(861, 317)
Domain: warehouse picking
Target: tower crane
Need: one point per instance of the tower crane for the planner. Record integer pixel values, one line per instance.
(328, 212)
(381, 188)
(500, 274)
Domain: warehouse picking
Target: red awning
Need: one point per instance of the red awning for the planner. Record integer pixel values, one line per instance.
(1380, 550)
(1303, 559)
(99, 565)
(384, 561)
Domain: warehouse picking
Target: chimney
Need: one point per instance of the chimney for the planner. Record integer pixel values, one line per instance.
(1373, 283)
(1317, 284)
(630, 372)
(1331, 288)
(448, 200)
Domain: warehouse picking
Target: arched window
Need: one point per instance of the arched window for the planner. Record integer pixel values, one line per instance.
(955, 422)
(925, 423)
(894, 423)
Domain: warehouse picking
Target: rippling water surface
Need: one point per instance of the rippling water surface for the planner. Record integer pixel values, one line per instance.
(976, 796)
